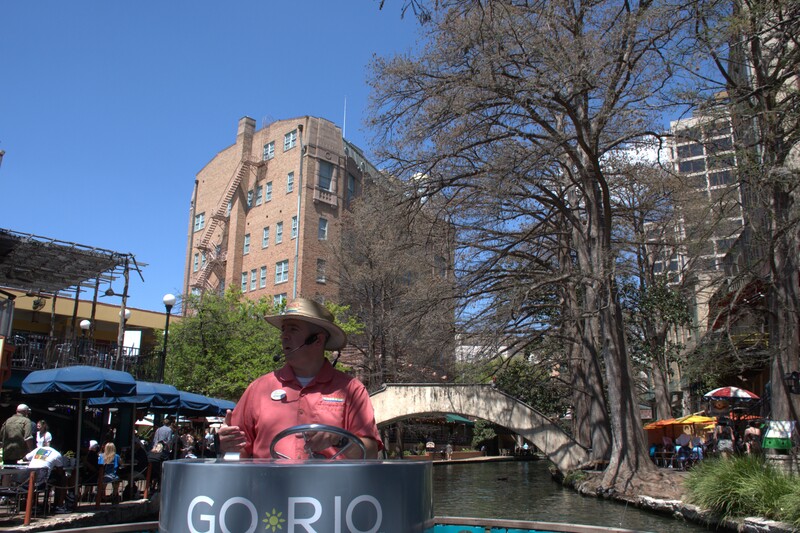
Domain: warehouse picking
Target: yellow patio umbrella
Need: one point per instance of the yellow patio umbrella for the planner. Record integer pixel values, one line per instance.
(694, 419)
(659, 424)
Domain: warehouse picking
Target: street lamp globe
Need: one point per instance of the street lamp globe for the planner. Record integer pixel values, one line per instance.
(169, 300)
(85, 325)
(127, 314)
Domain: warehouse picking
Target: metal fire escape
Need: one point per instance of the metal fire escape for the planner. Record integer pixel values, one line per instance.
(215, 255)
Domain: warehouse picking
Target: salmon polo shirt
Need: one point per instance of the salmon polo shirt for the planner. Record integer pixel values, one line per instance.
(277, 401)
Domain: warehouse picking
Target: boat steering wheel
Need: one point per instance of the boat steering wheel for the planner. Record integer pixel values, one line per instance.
(313, 428)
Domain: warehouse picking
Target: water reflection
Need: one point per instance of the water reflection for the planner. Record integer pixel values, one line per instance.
(523, 490)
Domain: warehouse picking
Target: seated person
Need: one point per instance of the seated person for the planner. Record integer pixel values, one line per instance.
(50, 465)
(682, 455)
(110, 461)
(157, 455)
(89, 469)
(697, 447)
(684, 438)
(140, 462)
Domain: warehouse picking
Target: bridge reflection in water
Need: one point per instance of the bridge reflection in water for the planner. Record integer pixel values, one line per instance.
(524, 490)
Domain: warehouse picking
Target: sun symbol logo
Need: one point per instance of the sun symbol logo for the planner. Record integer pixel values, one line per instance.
(273, 520)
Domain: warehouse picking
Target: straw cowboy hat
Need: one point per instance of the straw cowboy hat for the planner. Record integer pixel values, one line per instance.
(311, 311)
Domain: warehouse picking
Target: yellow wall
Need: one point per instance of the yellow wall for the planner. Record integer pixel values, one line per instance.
(106, 317)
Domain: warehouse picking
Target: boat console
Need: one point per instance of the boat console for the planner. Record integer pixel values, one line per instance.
(244, 496)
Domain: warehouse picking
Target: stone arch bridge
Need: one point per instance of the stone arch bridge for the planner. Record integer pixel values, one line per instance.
(394, 402)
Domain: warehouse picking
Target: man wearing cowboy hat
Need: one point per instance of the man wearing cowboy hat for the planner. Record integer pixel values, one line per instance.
(306, 390)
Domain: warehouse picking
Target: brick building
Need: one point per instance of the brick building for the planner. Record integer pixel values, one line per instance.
(265, 210)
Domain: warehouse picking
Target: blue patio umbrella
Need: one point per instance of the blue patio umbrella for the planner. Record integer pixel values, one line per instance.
(78, 383)
(199, 405)
(156, 396)
(224, 405)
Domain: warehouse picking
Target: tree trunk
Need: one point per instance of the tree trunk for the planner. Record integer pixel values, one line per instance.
(783, 298)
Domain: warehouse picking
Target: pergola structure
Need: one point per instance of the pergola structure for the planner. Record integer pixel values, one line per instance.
(45, 267)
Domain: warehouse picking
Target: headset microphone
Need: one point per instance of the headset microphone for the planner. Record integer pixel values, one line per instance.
(311, 339)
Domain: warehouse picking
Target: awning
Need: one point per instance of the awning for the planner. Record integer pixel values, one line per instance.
(456, 419)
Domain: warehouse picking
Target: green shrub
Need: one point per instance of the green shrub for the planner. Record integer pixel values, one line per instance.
(789, 505)
(742, 486)
(573, 477)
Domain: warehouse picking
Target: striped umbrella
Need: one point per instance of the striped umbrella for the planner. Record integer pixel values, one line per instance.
(730, 393)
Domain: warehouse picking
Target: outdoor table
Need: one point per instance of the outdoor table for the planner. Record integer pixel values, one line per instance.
(8, 470)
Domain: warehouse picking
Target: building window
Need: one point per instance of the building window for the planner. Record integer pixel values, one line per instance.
(279, 233)
(195, 291)
(320, 271)
(720, 178)
(196, 263)
(263, 277)
(279, 299)
(269, 150)
(282, 271)
(289, 182)
(721, 161)
(294, 227)
(199, 221)
(247, 244)
(203, 260)
(265, 237)
(690, 150)
(259, 195)
(250, 198)
(268, 196)
(720, 145)
(694, 165)
(228, 209)
(244, 281)
(323, 229)
(290, 140)
(351, 189)
(325, 175)
(253, 279)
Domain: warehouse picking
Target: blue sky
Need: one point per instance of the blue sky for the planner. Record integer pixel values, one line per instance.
(109, 109)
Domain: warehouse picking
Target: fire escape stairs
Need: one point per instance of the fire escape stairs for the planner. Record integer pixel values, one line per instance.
(218, 219)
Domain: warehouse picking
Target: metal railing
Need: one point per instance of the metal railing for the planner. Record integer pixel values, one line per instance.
(34, 351)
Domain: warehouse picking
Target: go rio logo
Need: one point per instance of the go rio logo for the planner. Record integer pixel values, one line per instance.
(303, 513)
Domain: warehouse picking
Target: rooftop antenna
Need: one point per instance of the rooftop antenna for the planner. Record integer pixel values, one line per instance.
(344, 120)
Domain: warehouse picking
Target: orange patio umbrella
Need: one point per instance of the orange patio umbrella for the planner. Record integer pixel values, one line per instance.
(657, 430)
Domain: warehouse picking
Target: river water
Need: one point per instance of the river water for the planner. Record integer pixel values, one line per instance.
(524, 490)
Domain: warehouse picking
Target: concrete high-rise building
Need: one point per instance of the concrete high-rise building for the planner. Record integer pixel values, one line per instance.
(265, 210)
(702, 152)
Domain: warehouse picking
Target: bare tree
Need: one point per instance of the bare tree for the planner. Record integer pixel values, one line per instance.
(754, 46)
(396, 275)
(509, 113)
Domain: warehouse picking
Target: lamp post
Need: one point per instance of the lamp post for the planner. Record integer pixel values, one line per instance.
(169, 301)
(85, 325)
